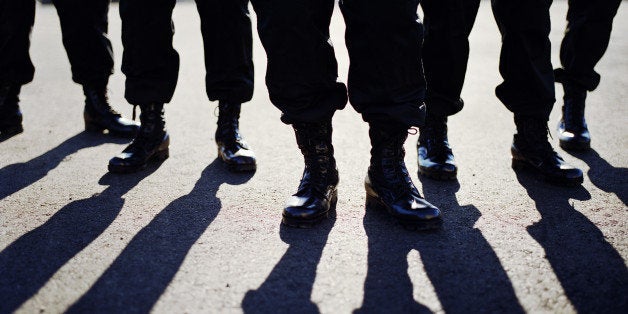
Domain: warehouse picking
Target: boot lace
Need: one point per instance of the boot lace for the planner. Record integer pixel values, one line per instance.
(394, 168)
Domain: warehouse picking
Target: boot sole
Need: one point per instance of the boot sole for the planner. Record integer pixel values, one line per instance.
(158, 157)
(95, 128)
(438, 175)
(10, 131)
(520, 165)
(574, 146)
(241, 168)
(309, 223)
(374, 203)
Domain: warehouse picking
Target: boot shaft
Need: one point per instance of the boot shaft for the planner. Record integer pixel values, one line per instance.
(387, 143)
(97, 102)
(573, 108)
(9, 98)
(387, 170)
(152, 118)
(435, 130)
(532, 133)
(228, 122)
(314, 141)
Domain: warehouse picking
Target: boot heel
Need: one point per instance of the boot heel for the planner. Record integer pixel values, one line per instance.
(93, 127)
(372, 203)
(332, 205)
(519, 164)
(161, 155)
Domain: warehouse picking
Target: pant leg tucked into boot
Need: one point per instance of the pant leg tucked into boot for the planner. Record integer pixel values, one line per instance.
(10, 114)
(388, 183)
(317, 195)
(150, 144)
(573, 133)
(232, 148)
(99, 115)
(532, 151)
(436, 159)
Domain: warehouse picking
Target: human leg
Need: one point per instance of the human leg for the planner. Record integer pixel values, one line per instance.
(151, 65)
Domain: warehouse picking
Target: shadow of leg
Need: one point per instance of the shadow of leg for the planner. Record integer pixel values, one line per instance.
(461, 264)
(140, 274)
(29, 262)
(590, 270)
(288, 288)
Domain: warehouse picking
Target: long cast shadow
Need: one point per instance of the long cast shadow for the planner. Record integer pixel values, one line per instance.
(17, 176)
(140, 274)
(288, 288)
(29, 262)
(464, 270)
(591, 272)
(605, 176)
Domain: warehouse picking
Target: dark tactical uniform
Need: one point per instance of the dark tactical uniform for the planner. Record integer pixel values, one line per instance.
(84, 28)
(527, 89)
(589, 25)
(588, 32)
(151, 66)
(525, 63)
(385, 85)
(384, 42)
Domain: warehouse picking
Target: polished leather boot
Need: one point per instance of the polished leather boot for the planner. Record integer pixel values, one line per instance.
(436, 160)
(317, 194)
(10, 114)
(232, 149)
(573, 133)
(532, 151)
(389, 186)
(150, 144)
(99, 115)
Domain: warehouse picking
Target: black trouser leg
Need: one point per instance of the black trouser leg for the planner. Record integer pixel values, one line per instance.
(589, 25)
(302, 70)
(149, 61)
(525, 61)
(16, 21)
(448, 24)
(227, 40)
(84, 26)
(386, 79)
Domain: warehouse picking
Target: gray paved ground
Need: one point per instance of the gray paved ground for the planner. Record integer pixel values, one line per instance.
(190, 237)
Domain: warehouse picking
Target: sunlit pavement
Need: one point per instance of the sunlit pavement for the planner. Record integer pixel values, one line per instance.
(188, 236)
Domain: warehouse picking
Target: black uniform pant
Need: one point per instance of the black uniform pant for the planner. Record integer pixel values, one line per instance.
(84, 28)
(589, 25)
(151, 64)
(525, 60)
(383, 37)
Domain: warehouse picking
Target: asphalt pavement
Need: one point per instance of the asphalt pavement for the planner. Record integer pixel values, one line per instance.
(190, 237)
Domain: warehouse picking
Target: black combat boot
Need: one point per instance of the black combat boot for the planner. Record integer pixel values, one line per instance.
(436, 160)
(232, 149)
(573, 133)
(389, 186)
(150, 144)
(99, 115)
(532, 151)
(317, 195)
(10, 114)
